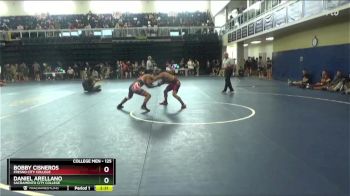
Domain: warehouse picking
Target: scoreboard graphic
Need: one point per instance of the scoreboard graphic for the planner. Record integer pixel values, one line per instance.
(80, 174)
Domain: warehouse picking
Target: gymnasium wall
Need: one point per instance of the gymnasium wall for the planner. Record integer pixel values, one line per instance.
(333, 34)
(253, 50)
(68, 52)
(216, 6)
(294, 51)
(232, 50)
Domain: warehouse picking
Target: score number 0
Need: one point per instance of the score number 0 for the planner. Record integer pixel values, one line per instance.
(106, 170)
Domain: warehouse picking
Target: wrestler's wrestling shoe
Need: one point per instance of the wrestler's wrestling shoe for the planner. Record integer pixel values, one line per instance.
(145, 108)
(164, 103)
(119, 107)
(183, 107)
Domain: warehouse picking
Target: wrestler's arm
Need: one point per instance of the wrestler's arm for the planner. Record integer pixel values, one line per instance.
(159, 77)
(149, 83)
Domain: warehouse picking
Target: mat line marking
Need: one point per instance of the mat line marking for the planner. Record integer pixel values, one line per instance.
(33, 107)
(298, 96)
(50, 130)
(202, 123)
(6, 187)
(31, 193)
(284, 149)
(145, 158)
(208, 96)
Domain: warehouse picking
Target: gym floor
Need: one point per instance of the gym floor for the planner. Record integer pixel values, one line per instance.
(265, 139)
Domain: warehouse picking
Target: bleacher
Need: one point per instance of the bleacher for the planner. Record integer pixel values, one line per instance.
(116, 20)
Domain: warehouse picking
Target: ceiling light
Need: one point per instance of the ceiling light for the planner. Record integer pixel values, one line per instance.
(269, 38)
(255, 42)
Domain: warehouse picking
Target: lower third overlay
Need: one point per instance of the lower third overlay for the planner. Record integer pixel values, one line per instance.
(79, 174)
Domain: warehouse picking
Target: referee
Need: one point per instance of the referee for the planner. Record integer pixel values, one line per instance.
(227, 64)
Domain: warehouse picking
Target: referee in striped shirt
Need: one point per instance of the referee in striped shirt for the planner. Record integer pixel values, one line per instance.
(228, 65)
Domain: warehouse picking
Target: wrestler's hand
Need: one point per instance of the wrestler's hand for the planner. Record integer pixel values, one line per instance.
(160, 83)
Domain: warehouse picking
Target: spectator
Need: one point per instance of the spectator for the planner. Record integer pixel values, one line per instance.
(215, 67)
(190, 66)
(70, 73)
(149, 65)
(125, 69)
(248, 67)
(136, 69)
(304, 82)
(130, 69)
(19, 73)
(168, 67)
(7, 72)
(182, 63)
(94, 73)
(97, 68)
(45, 21)
(25, 72)
(346, 86)
(47, 72)
(76, 70)
(260, 67)
(90, 84)
(325, 80)
(106, 71)
(118, 70)
(82, 70)
(336, 83)
(196, 65)
(20, 27)
(88, 68)
(254, 65)
(143, 65)
(88, 33)
(269, 68)
(36, 71)
(208, 67)
(13, 72)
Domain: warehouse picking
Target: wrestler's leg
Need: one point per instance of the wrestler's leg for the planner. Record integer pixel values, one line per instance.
(120, 105)
(147, 97)
(166, 90)
(175, 90)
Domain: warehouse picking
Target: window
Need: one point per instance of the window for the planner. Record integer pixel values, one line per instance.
(295, 11)
(65, 34)
(275, 3)
(74, 33)
(245, 17)
(263, 4)
(103, 7)
(52, 7)
(107, 33)
(313, 7)
(268, 5)
(174, 33)
(331, 3)
(97, 33)
(251, 14)
(3, 8)
(180, 6)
